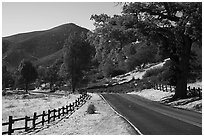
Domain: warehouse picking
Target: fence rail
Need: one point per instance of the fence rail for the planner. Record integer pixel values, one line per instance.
(50, 115)
(191, 92)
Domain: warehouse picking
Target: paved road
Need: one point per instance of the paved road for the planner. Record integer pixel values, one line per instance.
(153, 118)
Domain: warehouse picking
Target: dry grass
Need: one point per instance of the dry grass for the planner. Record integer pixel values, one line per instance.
(19, 106)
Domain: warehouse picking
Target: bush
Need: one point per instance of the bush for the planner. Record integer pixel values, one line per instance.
(117, 72)
(99, 76)
(165, 74)
(91, 109)
(131, 63)
(108, 68)
(4, 93)
(144, 84)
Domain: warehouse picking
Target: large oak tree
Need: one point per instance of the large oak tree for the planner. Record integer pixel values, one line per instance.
(177, 26)
(174, 26)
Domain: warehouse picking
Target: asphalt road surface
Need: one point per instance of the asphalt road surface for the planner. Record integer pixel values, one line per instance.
(153, 118)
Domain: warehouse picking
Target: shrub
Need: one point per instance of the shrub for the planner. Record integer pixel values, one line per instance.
(91, 109)
(117, 72)
(144, 84)
(165, 74)
(108, 68)
(4, 93)
(131, 63)
(99, 76)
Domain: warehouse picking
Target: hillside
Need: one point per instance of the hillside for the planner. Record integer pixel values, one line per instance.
(41, 47)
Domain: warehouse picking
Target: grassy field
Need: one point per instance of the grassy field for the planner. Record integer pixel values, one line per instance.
(21, 105)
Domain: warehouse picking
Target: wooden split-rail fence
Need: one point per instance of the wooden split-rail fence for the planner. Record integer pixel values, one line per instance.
(192, 92)
(47, 116)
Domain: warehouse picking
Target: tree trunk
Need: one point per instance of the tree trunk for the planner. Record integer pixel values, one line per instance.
(51, 86)
(181, 85)
(26, 87)
(73, 83)
(183, 68)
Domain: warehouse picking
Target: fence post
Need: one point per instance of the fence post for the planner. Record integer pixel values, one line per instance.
(78, 101)
(70, 107)
(162, 87)
(75, 103)
(43, 118)
(199, 92)
(26, 123)
(66, 109)
(48, 116)
(59, 113)
(189, 88)
(54, 114)
(82, 98)
(10, 130)
(63, 110)
(34, 118)
(73, 106)
(189, 91)
(194, 90)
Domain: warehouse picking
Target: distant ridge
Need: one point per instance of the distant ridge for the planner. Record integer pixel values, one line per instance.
(41, 47)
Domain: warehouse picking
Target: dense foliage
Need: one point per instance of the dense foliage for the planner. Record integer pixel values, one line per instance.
(52, 74)
(171, 28)
(77, 57)
(118, 45)
(28, 72)
(7, 78)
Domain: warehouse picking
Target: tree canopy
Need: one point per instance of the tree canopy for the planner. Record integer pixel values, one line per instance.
(173, 27)
(77, 57)
(176, 25)
(28, 72)
(7, 78)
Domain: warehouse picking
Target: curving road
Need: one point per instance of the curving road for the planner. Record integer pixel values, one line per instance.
(153, 118)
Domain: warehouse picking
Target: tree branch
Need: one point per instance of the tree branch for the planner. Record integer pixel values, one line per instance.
(169, 17)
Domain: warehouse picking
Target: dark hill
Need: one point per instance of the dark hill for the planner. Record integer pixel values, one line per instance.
(42, 47)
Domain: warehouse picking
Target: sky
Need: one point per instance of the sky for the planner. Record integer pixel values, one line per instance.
(21, 17)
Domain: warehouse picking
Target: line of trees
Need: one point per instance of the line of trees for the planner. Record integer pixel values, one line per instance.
(69, 69)
(145, 32)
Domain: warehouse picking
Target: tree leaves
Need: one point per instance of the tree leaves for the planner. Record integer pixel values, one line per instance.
(77, 56)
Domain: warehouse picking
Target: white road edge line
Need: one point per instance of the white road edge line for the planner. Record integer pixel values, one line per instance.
(136, 129)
